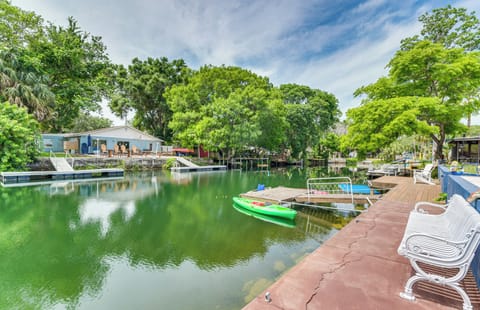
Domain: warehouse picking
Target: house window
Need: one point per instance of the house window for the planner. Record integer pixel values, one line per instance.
(126, 143)
(97, 142)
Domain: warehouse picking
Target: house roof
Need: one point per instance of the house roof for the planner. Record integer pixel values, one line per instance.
(119, 132)
(465, 139)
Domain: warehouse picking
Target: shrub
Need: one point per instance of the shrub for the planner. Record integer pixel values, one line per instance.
(19, 135)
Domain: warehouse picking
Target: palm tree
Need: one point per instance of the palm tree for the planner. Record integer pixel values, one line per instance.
(24, 87)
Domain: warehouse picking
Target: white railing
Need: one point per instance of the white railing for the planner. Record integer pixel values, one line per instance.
(54, 161)
(68, 156)
(329, 186)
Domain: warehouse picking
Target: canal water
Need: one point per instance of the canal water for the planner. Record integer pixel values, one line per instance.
(149, 241)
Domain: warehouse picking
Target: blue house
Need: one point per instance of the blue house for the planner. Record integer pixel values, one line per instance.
(106, 140)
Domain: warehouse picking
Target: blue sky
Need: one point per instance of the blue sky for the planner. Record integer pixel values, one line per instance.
(336, 46)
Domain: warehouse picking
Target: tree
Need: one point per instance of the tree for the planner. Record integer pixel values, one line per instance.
(141, 88)
(87, 122)
(46, 59)
(19, 136)
(119, 104)
(23, 85)
(451, 27)
(17, 27)
(75, 63)
(440, 76)
(310, 112)
(226, 109)
(328, 144)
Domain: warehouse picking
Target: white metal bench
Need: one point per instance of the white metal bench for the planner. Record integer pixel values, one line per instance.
(447, 240)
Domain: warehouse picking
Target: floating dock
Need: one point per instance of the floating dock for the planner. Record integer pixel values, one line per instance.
(300, 195)
(198, 168)
(35, 176)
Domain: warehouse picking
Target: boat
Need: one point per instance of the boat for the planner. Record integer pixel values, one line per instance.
(270, 219)
(265, 208)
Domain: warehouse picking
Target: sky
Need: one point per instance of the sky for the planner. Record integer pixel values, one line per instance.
(335, 46)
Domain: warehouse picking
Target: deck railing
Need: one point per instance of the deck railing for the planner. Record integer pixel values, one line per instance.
(68, 156)
(329, 186)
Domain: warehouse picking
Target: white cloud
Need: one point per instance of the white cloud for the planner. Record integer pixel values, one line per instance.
(332, 46)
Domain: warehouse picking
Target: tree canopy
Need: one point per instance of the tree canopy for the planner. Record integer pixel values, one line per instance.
(56, 72)
(310, 113)
(226, 109)
(426, 90)
(141, 88)
(230, 109)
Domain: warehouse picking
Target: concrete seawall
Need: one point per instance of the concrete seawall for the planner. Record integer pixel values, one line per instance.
(127, 163)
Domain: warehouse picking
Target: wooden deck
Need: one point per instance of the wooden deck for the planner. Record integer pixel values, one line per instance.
(405, 191)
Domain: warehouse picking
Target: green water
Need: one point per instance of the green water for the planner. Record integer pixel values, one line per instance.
(149, 241)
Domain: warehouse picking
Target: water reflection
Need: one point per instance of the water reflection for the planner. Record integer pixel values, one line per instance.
(91, 244)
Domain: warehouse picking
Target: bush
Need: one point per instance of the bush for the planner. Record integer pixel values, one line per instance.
(19, 135)
(169, 163)
(351, 162)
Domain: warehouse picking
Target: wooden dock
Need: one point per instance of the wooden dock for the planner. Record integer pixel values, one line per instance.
(300, 195)
(405, 191)
(276, 194)
(36, 176)
(198, 168)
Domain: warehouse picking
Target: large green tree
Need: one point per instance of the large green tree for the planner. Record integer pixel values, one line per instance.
(310, 114)
(227, 109)
(141, 88)
(451, 27)
(75, 63)
(441, 63)
(45, 59)
(437, 79)
(22, 82)
(19, 135)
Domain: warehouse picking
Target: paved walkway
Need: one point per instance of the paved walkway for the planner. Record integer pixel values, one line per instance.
(359, 267)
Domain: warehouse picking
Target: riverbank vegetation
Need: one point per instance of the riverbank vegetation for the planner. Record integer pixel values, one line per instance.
(61, 74)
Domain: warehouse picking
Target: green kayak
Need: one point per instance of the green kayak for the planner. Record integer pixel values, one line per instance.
(265, 208)
(270, 219)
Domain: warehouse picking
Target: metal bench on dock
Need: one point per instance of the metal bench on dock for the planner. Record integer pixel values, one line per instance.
(446, 240)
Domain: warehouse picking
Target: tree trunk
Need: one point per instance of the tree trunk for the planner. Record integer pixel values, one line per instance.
(439, 141)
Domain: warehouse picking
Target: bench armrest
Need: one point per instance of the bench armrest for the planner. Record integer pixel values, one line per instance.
(427, 247)
(424, 203)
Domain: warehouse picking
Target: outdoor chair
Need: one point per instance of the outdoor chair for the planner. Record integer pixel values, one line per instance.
(425, 175)
(103, 149)
(116, 149)
(387, 169)
(446, 240)
(123, 149)
(135, 150)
